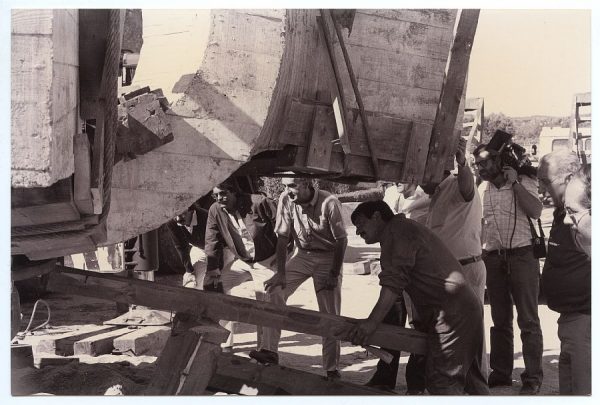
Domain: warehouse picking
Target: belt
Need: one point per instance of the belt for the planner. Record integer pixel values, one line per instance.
(469, 260)
(507, 252)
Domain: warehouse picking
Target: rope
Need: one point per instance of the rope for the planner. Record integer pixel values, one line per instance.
(21, 335)
(108, 99)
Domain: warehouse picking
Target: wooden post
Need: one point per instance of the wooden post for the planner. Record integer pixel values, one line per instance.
(189, 359)
(442, 137)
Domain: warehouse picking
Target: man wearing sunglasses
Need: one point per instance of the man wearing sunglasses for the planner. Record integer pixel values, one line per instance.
(240, 246)
(566, 277)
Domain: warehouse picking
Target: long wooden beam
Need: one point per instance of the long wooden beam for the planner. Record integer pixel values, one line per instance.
(236, 372)
(442, 138)
(220, 306)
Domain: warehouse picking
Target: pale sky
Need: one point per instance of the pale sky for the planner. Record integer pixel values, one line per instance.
(530, 62)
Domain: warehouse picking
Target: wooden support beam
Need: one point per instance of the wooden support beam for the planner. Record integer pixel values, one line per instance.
(337, 92)
(357, 96)
(442, 137)
(63, 344)
(149, 341)
(188, 360)
(226, 307)
(98, 344)
(285, 380)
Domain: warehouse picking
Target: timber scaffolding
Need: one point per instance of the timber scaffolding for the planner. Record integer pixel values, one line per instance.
(347, 95)
(191, 358)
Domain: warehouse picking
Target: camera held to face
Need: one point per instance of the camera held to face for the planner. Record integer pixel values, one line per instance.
(511, 154)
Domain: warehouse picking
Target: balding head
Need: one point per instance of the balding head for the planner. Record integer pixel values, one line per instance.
(554, 171)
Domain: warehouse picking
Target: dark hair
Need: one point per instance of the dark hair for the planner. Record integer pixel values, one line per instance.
(230, 186)
(508, 159)
(368, 208)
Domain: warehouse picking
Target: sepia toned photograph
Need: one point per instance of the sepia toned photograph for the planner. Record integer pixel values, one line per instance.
(300, 201)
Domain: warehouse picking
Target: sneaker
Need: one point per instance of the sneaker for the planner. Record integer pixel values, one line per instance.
(530, 388)
(333, 375)
(264, 356)
(189, 280)
(496, 380)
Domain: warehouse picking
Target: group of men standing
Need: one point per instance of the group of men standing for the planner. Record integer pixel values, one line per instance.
(438, 268)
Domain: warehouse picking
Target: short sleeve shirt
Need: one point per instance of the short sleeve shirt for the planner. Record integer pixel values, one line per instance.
(500, 217)
(457, 222)
(314, 226)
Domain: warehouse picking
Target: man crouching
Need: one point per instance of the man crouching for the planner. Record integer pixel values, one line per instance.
(414, 259)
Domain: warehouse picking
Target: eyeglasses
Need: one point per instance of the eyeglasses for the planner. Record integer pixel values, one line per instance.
(576, 217)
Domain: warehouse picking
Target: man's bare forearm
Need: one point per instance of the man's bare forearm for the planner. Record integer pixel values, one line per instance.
(466, 183)
(387, 298)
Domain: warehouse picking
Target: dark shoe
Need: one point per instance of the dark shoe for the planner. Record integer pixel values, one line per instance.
(380, 385)
(496, 380)
(264, 356)
(530, 388)
(333, 375)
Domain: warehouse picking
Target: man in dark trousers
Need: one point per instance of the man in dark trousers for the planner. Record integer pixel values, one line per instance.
(509, 197)
(567, 273)
(415, 260)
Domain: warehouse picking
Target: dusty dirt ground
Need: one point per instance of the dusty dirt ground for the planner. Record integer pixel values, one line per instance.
(94, 375)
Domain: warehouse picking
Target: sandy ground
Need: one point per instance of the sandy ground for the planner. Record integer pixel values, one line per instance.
(359, 293)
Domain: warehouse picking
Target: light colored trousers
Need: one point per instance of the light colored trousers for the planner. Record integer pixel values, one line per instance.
(575, 360)
(302, 265)
(234, 273)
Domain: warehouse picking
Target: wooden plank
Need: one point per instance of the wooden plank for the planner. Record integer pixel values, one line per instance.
(82, 195)
(322, 135)
(401, 35)
(380, 65)
(188, 361)
(98, 344)
(220, 306)
(416, 153)
(340, 109)
(434, 17)
(357, 96)
(451, 97)
(63, 344)
(149, 341)
(288, 380)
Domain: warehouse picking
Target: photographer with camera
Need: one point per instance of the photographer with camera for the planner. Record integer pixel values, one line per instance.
(509, 193)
